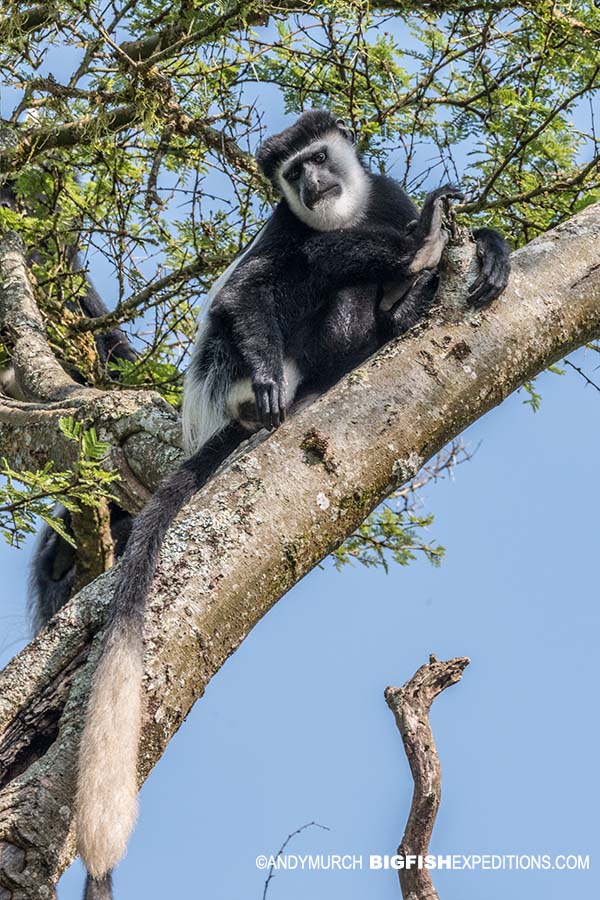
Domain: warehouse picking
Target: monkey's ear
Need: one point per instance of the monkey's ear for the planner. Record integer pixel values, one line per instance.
(346, 131)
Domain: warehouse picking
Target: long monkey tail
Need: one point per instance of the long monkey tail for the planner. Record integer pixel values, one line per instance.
(98, 888)
(107, 778)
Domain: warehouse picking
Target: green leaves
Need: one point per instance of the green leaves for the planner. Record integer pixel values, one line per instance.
(499, 100)
(139, 148)
(386, 535)
(533, 399)
(26, 496)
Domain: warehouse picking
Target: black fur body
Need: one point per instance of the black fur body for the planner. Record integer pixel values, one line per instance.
(54, 565)
(311, 296)
(344, 263)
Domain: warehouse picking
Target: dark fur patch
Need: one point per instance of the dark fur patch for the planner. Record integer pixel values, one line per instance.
(310, 127)
(98, 888)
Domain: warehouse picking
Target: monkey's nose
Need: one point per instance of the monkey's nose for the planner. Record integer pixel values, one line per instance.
(311, 197)
(314, 194)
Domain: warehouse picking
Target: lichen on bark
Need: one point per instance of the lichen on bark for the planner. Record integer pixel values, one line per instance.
(258, 527)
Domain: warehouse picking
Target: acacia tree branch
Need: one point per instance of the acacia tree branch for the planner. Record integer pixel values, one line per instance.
(410, 705)
(141, 429)
(129, 309)
(274, 514)
(176, 37)
(282, 850)
(549, 188)
(84, 131)
(585, 377)
(39, 375)
(27, 20)
(95, 546)
(156, 47)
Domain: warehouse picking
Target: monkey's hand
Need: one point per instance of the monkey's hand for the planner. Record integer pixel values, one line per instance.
(271, 401)
(493, 254)
(428, 232)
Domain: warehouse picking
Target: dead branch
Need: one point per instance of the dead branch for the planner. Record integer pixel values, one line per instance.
(410, 705)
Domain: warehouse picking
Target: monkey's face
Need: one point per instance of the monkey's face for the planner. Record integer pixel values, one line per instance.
(313, 176)
(325, 183)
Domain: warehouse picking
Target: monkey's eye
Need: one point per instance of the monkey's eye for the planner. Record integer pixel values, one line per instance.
(293, 174)
(320, 157)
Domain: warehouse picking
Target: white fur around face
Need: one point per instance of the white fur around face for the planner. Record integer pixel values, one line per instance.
(349, 207)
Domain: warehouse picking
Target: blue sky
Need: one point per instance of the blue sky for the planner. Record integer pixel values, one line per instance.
(294, 728)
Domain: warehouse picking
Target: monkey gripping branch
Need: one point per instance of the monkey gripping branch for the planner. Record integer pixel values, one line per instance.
(270, 517)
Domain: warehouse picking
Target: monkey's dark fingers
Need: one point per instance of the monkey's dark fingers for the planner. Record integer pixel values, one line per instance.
(433, 199)
(269, 397)
(263, 406)
(494, 255)
(486, 267)
(493, 277)
(278, 403)
(274, 402)
(490, 282)
(448, 192)
(430, 252)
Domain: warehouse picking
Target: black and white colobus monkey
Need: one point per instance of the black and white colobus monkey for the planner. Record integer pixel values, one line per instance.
(344, 263)
(54, 564)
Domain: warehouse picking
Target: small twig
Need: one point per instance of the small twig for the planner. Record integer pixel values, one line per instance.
(585, 377)
(282, 848)
(410, 705)
(129, 309)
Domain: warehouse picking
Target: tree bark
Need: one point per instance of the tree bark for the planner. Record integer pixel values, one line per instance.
(39, 374)
(410, 705)
(269, 518)
(142, 430)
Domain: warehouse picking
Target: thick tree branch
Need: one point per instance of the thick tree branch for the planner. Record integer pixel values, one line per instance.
(95, 547)
(142, 430)
(31, 143)
(410, 705)
(175, 38)
(38, 373)
(82, 131)
(267, 520)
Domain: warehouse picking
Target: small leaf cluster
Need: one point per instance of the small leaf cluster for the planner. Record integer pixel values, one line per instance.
(387, 535)
(28, 496)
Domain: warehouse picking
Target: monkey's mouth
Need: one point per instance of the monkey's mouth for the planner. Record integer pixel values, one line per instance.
(330, 193)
